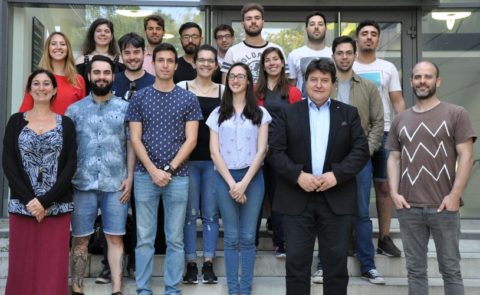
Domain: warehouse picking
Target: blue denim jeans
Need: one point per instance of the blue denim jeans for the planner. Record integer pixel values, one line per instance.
(363, 226)
(201, 189)
(239, 225)
(147, 198)
(416, 225)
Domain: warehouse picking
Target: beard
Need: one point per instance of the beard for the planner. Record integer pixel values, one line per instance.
(422, 95)
(252, 33)
(190, 48)
(312, 38)
(138, 68)
(101, 90)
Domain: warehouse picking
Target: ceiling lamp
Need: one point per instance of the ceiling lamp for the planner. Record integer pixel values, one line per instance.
(450, 17)
(134, 12)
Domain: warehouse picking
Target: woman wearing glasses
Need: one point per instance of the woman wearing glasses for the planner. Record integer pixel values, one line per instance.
(201, 171)
(238, 145)
(275, 93)
(58, 58)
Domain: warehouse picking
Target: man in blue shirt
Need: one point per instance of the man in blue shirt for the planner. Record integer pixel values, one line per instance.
(104, 172)
(132, 49)
(163, 120)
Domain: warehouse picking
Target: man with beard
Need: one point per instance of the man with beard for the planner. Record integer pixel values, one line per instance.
(298, 59)
(429, 165)
(134, 77)
(249, 50)
(362, 94)
(154, 26)
(104, 172)
(191, 38)
(385, 76)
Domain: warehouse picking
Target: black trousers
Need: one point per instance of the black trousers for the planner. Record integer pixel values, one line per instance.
(334, 234)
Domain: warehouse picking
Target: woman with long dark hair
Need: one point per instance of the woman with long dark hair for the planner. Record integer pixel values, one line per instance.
(201, 171)
(274, 93)
(238, 145)
(58, 58)
(100, 39)
(39, 159)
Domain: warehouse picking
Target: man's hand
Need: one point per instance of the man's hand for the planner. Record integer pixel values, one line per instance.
(326, 180)
(399, 201)
(126, 188)
(449, 203)
(308, 182)
(160, 177)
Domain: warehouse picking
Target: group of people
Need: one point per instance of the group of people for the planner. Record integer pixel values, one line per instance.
(209, 134)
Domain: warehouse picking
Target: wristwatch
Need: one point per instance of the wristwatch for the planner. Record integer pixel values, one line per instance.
(169, 168)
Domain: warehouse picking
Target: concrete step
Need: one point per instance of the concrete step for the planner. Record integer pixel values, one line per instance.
(267, 265)
(269, 285)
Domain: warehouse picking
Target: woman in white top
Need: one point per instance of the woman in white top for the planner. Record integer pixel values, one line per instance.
(201, 171)
(238, 145)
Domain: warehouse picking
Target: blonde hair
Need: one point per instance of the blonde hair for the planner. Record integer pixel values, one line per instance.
(69, 68)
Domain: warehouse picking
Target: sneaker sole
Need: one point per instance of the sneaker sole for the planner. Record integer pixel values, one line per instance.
(385, 253)
(190, 282)
(209, 282)
(372, 281)
(317, 281)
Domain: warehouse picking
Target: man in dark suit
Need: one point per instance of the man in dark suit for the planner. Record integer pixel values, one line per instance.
(317, 146)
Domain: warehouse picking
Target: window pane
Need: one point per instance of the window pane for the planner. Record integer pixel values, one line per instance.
(74, 20)
(456, 51)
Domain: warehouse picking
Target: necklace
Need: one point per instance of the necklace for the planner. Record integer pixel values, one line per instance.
(204, 91)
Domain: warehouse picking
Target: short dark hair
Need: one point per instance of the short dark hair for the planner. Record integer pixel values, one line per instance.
(37, 72)
(343, 39)
(157, 18)
(164, 47)
(100, 57)
(133, 39)
(315, 13)
(189, 25)
(252, 6)
(365, 23)
(223, 27)
(324, 65)
(205, 47)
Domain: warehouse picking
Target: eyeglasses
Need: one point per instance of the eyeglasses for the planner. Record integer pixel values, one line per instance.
(205, 60)
(221, 37)
(346, 53)
(188, 37)
(240, 77)
(131, 91)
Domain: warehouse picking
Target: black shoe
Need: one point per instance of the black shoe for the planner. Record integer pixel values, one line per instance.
(209, 276)
(191, 277)
(387, 247)
(280, 251)
(104, 277)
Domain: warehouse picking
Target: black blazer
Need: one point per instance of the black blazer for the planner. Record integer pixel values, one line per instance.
(290, 153)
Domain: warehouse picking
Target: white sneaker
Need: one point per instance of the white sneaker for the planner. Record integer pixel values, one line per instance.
(317, 277)
(374, 277)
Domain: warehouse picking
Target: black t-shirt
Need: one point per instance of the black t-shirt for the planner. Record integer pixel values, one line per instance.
(184, 72)
(202, 149)
(274, 103)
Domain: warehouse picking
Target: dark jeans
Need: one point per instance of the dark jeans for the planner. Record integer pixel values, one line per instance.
(300, 233)
(416, 226)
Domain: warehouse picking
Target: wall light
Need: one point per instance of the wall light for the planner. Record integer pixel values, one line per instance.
(134, 12)
(450, 17)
